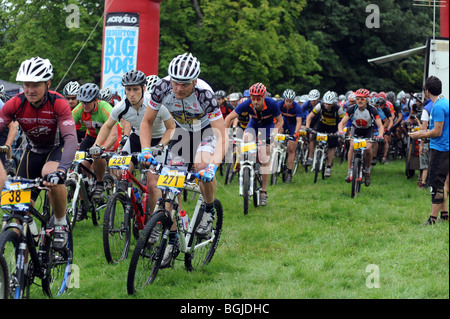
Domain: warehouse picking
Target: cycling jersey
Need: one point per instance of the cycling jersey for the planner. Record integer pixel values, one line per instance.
(226, 108)
(192, 113)
(46, 127)
(331, 117)
(291, 114)
(93, 121)
(124, 110)
(363, 119)
(306, 108)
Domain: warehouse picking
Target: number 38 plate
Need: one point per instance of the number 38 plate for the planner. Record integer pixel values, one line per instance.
(16, 199)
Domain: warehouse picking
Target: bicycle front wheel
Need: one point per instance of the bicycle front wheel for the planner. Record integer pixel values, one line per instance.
(4, 278)
(356, 183)
(205, 247)
(148, 253)
(57, 266)
(246, 187)
(71, 210)
(116, 228)
(9, 247)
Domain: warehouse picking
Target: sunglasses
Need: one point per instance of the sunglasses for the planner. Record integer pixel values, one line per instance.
(183, 84)
(360, 98)
(71, 97)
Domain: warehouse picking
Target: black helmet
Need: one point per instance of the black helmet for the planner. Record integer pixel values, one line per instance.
(134, 77)
(88, 92)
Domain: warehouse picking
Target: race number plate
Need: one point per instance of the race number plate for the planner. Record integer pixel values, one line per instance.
(14, 198)
(280, 137)
(121, 162)
(321, 137)
(302, 133)
(79, 157)
(172, 178)
(359, 143)
(247, 147)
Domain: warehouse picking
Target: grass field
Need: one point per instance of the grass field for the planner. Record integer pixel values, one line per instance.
(312, 241)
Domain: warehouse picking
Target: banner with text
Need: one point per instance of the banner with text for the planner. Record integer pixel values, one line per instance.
(120, 47)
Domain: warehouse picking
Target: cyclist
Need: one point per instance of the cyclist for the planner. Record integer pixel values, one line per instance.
(225, 106)
(70, 92)
(329, 114)
(132, 110)
(2, 95)
(45, 118)
(387, 117)
(292, 122)
(199, 135)
(265, 119)
(309, 104)
(93, 113)
(362, 117)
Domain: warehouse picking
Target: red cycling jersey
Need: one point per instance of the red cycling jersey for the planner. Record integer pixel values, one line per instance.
(45, 127)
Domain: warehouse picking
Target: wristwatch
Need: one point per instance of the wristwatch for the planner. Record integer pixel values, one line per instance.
(160, 145)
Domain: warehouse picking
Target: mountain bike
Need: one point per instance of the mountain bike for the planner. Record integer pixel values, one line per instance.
(30, 254)
(126, 210)
(320, 157)
(149, 251)
(301, 149)
(233, 167)
(250, 178)
(80, 185)
(278, 158)
(358, 162)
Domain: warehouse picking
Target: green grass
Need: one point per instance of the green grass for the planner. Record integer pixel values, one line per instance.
(311, 241)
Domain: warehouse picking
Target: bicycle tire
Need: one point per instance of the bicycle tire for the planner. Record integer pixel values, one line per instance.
(317, 165)
(117, 228)
(72, 215)
(201, 257)
(274, 169)
(228, 173)
(9, 244)
(246, 188)
(58, 266)
(146, 258)
(4, 278)
(256, 188)
(297, 159)
(355, 176)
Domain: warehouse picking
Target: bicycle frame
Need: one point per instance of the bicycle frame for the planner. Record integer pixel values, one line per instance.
(320, 150)
(248, 152)
(279, 151)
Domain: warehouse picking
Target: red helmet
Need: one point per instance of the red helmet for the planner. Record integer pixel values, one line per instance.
(362, 93)
(382, 95)
(258, 89)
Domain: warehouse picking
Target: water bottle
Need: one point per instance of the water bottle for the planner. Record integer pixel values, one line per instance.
(137, 195)
(33, 229)
(184, 220)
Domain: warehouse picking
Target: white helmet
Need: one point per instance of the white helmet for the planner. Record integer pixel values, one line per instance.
(151, 81)
(105, 94)
(329, 98)
(184, 68)
(35, 70)
(71, 88)
(233, 97)
(289, 94)
(314, 94)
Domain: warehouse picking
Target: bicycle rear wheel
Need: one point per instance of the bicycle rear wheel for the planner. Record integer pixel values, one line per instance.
(100, 204)
(205, 247)
(58, 266)
(116, 228)
(246, 187)
(148, 253)
(9, 247)
(317, 164)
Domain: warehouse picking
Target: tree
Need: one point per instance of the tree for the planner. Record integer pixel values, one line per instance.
(40, 28)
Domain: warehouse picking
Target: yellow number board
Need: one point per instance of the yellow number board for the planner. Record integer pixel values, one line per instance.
(171, 179)
(246, 147)
(15, 196)
(321, 137)
(119, 161)
(280, 137)
(359, 143)
(79, 156)
(302, 133)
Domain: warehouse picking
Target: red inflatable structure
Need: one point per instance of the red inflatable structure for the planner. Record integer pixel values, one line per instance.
(130, 40)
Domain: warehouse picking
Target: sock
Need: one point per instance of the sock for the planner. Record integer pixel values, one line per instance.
(444, 215)
(209, 208)
(289, 171)
(60, 221)
(100, 183)
(172, 237)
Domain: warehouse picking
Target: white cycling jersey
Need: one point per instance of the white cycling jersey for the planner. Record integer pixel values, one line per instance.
(125, 110)
(192, 113)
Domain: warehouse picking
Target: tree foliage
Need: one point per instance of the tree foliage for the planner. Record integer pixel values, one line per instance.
(300, 44)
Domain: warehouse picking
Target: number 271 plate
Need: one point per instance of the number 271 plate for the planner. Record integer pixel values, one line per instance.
(171, 179)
